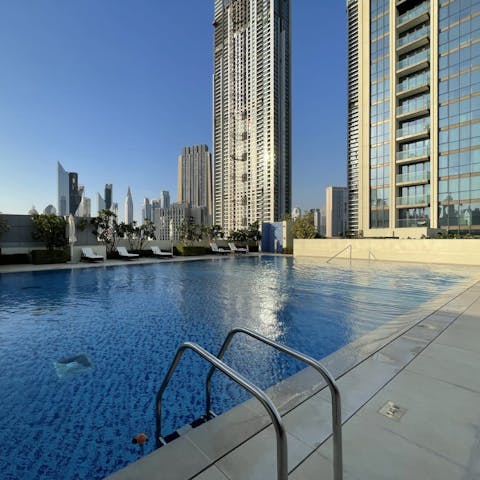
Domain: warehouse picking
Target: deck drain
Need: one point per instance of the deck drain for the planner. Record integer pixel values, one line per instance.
(73, 365)
(393, 411)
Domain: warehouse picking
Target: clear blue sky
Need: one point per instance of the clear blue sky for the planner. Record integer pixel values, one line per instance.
(113, 89)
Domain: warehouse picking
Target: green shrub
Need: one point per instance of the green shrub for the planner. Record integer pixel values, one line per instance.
(188, 251)
(42, 257)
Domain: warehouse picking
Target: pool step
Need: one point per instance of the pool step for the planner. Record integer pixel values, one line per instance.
(186, 428)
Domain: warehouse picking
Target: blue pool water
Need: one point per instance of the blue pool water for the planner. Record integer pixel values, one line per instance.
(83, 352)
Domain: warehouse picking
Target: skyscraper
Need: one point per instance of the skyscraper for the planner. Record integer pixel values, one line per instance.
(147, 210)
(69, 195)
(164, 199)
(128, 207)
(100, 203)
(336, 199)
(414, 83)
(108, 196)
(195, 177)
(251, 117)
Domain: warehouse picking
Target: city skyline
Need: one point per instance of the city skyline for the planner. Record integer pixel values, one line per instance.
(105, 95)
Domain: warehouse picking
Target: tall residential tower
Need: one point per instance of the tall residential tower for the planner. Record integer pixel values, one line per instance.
(414, 116)
(195, 177)
(251, 112)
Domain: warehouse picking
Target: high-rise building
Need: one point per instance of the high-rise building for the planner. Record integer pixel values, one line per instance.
(69, 195)
(100, 203)
(336, 199)
(296, 213)
(128, 207)
(251, 112)
(108, 196)
(414, 116)
(147, 210)
(164, 199)
(50, 210)
(195, 177)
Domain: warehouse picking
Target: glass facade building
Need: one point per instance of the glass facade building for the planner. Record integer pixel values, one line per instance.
(419, 94)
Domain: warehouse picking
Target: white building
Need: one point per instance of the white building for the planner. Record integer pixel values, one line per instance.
(251, 112)
(336, 211)
(128, 207)
(296, 213)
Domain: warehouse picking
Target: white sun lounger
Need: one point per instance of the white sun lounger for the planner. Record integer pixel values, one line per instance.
(89, 255)
(122, 251)
(236, 249)
(158, 253)
(216, 249)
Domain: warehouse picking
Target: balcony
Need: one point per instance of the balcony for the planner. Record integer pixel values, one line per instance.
(414, 109)
(414, 63)
(413, 222)
(413, 17)
(414, 177)
(413, 85)
(413, 155)
(413, 201)
(413, 132)
(413, 40)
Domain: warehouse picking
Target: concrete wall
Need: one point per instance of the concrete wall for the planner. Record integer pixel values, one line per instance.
(18, 239)
(439, 251)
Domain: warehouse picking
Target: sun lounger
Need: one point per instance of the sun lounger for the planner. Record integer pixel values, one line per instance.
(122, 252)
(236, 249)
(88, 255)
(158, 253)
(216, 249)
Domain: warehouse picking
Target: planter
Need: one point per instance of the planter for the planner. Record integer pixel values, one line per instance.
(188, 251)
(14, 259)
(42, 257)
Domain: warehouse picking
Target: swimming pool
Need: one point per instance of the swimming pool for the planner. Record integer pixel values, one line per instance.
(83, 352)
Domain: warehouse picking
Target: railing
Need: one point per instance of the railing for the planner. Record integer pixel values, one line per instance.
(411, 37)
(281, 435)
(413, 153)
(334, 392)
(341, 251)
(414, 12)
(413, 106)
(414, 82)
(412, 60)
(413, 129)
(413, 200)
(413, 177)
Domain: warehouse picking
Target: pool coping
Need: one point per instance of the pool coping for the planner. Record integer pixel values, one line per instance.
(213, 449)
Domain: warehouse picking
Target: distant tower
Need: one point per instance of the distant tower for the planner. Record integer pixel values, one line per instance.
(336, 211)
(164, 199)
(195, 177)
(100, 203)
(108, 196)
(50, 210)
(296, 213)
(129, 207)
(63, 195)
(146, 210)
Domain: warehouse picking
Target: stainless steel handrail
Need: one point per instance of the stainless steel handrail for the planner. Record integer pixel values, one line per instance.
(335, 393)
(341, 251)
(281, 435)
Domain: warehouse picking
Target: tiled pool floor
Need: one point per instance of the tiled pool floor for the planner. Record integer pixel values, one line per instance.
(430, 371)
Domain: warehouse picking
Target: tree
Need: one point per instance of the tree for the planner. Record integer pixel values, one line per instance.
(106, 228)
(212, 232)
(189, 232)
(50, 229)
(303, 227)
(145, 232)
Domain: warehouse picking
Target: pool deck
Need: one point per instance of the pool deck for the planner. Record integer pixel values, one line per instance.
(428, 366)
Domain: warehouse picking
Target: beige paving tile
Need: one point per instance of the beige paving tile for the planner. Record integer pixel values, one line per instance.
(212, 473)
(440, 418)
(256, 459)
(464, 337)
(176, 461)
(317, 467)
(449, 364)
(374, 453)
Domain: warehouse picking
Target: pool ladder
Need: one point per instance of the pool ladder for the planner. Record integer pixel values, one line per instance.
(280, 432)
